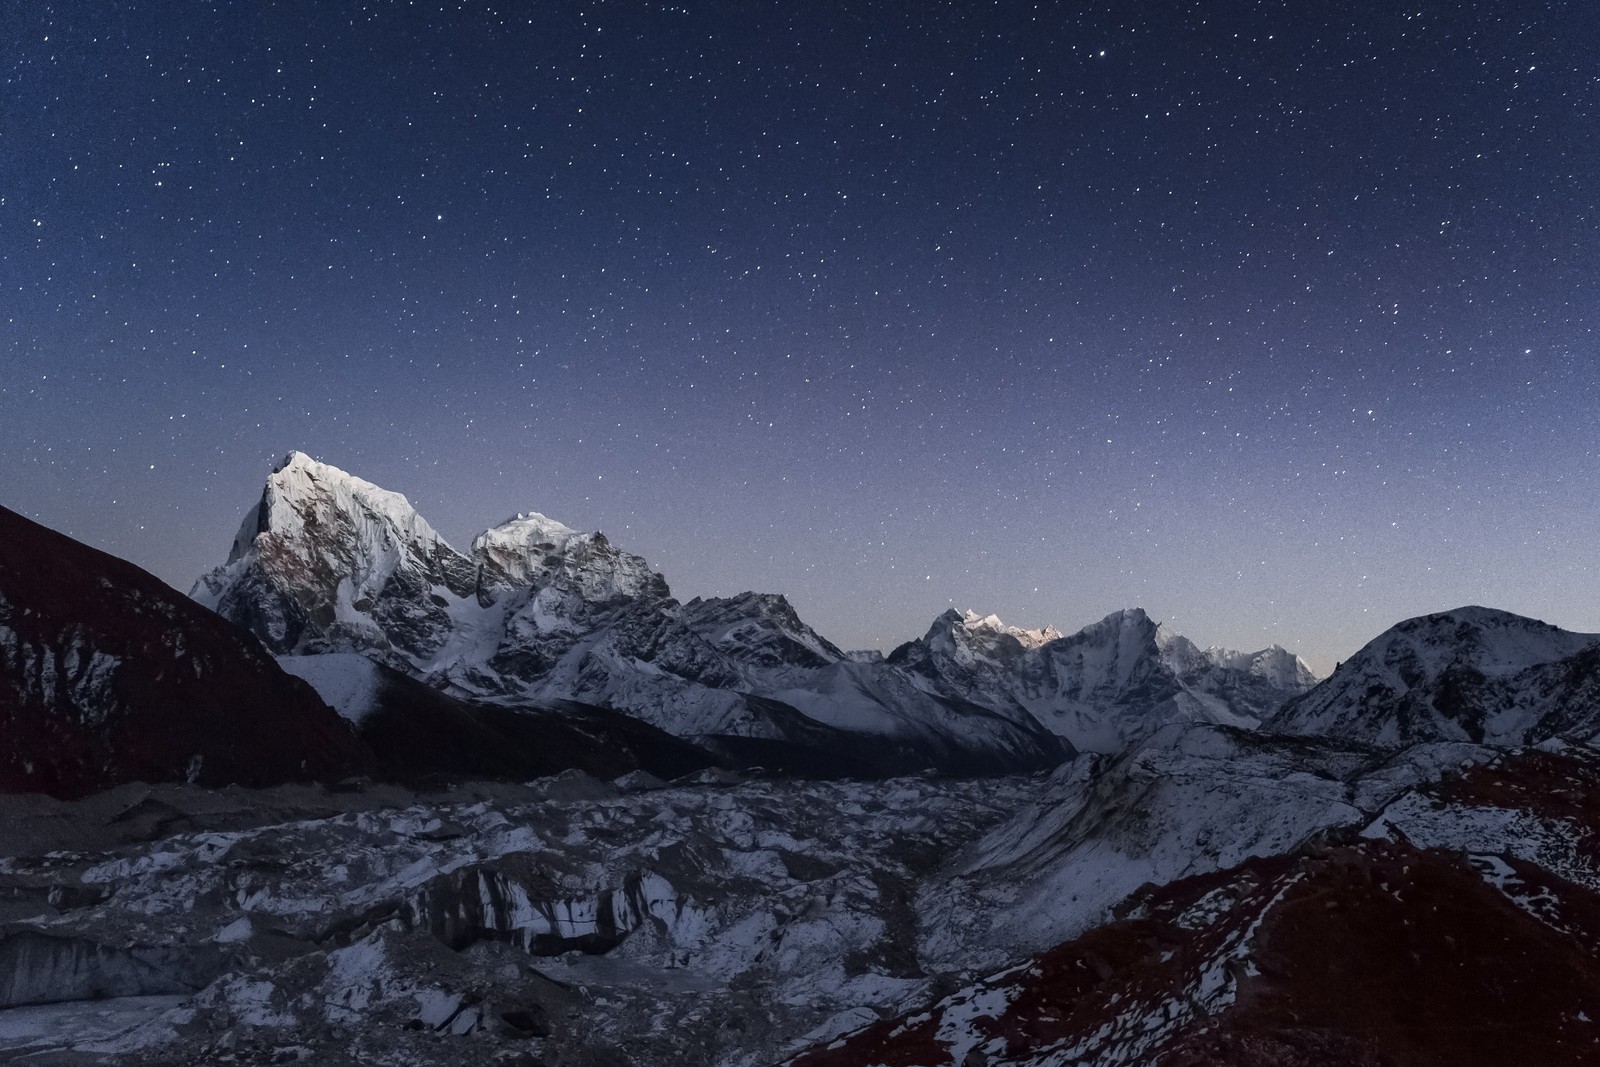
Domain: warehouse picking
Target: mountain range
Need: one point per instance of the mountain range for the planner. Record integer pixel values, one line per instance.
(538, 612)
(526, 807)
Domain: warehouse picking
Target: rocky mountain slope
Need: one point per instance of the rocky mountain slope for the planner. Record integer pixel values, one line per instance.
(1191, 799)
(540, 613)
(1107, 686)
(1472, 674)
(107, 675)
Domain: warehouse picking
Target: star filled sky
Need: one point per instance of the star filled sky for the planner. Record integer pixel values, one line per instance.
(1277, 320)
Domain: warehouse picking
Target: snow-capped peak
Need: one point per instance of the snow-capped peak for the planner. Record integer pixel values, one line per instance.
(295, 458)
(517, 551)
(964, 634)
(528, 528)
(1274, 663)
(1486, 640)
(531, 550)
(761, 629)
(1117, 649)
(1473, 673)
(326, 556)
(973, 622)
(303, 493)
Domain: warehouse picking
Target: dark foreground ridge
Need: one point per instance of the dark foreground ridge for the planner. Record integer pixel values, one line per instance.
(107, 675)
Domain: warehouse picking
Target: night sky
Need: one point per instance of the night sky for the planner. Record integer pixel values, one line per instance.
(1275, 319)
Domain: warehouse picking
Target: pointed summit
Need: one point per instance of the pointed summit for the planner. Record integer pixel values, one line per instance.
(327, 560)
(296, 458)
(302, 492)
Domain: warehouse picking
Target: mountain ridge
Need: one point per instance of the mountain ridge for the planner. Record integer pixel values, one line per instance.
(327, 562)
(538, 611)
(1194, 893)
(1469, 674)
(1109, 684)
(108, 675)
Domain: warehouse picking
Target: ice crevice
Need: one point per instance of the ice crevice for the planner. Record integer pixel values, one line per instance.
(42, 968)
(479, 903)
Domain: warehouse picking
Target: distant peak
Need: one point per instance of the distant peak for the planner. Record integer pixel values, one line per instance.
(294, 459)
(1166, 638)
(1127, 618)
(986, 627)
(521, 551)
(529, 528)
(534, 520)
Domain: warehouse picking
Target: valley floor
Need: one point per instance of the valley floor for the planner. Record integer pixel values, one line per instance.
(1213, 896)
(564, 922)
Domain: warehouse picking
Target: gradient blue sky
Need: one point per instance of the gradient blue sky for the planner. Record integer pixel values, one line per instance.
(1275, 320)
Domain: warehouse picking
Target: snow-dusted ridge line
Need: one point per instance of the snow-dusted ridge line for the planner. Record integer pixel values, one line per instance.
(538, 611)
(1470, 674)
(1106, 686)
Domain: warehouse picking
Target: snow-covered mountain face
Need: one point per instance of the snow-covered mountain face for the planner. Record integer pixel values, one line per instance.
(565, 615)
(762, 632)
(1274, 668)
(328, 562)
(542, 613)
(1473, 674)
(417, 734)
(107, 676)
(1107, 686)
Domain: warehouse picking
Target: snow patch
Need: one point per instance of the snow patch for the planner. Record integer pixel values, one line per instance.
(349, 683)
